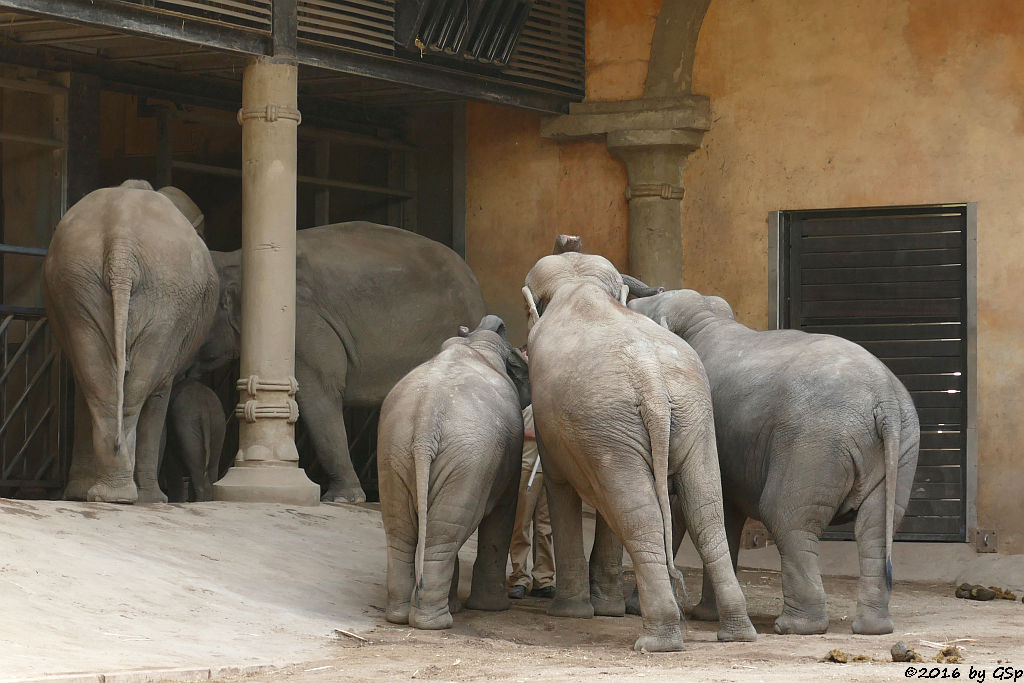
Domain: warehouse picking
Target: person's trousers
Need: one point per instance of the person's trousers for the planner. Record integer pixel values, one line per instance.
(532, 511)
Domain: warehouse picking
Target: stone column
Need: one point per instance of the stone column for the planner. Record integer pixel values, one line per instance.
(266, 468)
(654, 164)
(653, 137)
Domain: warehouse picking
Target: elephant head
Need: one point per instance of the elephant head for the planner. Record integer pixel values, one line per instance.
(187, 207)
(223, 344)
(568, 266)
(683, 311)
(491, 334)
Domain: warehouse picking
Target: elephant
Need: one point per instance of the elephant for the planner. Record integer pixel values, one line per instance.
(812, 430)
(131, 292)
(623, 413)
(196, 426)
(372, 302)
(448, 458)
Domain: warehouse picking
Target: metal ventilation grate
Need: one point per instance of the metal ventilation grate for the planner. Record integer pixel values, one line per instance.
(483, 31)
(361, 24)
(551, 47)
(251, 15)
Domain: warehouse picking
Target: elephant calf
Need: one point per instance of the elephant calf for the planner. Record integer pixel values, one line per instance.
(448, 453)
(623, 414)
(196, 425)
(812, 430)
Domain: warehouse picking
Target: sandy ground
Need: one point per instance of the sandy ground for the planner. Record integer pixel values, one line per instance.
(97, 588)
(525, 644)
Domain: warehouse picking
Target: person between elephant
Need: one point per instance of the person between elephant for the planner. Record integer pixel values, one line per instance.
(531, 512)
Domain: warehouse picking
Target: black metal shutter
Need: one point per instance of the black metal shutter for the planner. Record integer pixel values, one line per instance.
(894, 280)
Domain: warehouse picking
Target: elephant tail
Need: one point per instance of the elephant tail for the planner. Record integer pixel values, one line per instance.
(888, 426)
(121, 269)
(422, 456)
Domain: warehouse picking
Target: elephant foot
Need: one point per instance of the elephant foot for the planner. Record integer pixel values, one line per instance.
(872, 624)
(150, 495)
(105, 493)
(343, 495)
(738, 630)
(802, 626)
(577, 608)
(78, 489)
(434, 622)
(633, 603)
(397, 613)
(488, 602)
(454, 606)
(704, 611)
(608, 607)
(669, 639)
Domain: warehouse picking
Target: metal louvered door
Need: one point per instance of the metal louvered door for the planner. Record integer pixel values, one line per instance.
(895, 281)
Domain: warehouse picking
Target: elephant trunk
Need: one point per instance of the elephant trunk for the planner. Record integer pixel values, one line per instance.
(638, 289)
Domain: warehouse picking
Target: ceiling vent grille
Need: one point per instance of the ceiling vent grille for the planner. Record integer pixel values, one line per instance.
(483, 31)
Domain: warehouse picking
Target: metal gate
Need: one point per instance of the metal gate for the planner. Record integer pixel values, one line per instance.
(35, 381)
(895, 280)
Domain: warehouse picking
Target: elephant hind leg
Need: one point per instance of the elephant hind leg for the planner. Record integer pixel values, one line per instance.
(873, 590)
(493, 540)
(707, 608)
(572, 575)
(606, 572)
(398, 519)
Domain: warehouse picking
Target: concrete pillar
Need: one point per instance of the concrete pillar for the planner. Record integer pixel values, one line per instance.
(653, 137)
(266, 468)
(654, 163)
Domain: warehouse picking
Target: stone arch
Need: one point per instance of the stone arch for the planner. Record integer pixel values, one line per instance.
(670, 69)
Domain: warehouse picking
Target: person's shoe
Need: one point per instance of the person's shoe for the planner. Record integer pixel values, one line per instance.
(517, 592)
(546, 592)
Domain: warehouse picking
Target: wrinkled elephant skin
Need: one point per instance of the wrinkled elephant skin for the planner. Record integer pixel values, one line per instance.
(623, 415)
(196, 427)
(130, 291)
(448, 454)
(372, 302)
(812, 429)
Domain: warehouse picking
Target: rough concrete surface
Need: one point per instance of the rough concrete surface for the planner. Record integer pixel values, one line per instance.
(92, 587)
(230, 591)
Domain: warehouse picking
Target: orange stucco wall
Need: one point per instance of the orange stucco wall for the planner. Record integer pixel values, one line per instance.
(879, 102)
(522, 190)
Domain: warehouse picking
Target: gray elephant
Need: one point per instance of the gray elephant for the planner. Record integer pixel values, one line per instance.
(131, 292)
(196, 426)
(372, 302)
(623, 414)
(448, 458)
(812, 430)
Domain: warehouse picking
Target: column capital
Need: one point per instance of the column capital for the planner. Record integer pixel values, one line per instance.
(687, 116)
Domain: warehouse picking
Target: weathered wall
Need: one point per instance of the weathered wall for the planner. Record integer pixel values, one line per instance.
(522, 190)
(879, 102)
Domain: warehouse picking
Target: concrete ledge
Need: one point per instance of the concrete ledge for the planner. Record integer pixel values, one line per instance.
(154, 675)
(588, 120)
(952, 563)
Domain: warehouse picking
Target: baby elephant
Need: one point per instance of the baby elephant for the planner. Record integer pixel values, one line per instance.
(195, 426)
(812, 430)
(448, 452)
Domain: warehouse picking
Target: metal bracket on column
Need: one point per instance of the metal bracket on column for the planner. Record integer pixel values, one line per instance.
(270, 114)
(663, 190)
(252, 410)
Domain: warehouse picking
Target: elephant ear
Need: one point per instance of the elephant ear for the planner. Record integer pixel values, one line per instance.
(519, 372)
(231, 304)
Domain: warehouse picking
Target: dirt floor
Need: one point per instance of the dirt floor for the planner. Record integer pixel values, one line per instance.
(110, 594)
(525, 644)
